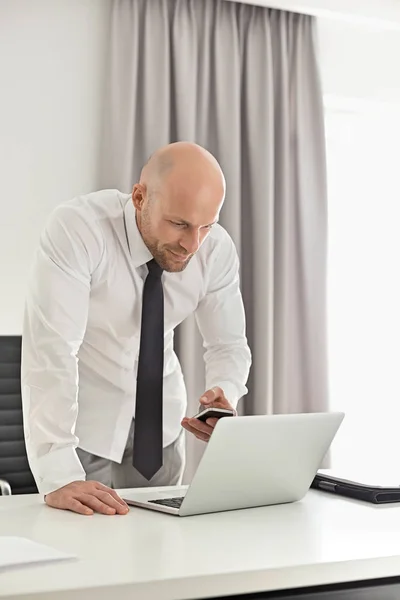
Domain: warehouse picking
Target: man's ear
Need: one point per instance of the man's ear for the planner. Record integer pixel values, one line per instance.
(138, 195)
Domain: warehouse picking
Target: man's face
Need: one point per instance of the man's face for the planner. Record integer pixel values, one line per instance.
(174, 225)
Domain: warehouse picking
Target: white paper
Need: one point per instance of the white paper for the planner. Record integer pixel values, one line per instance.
(21, 551)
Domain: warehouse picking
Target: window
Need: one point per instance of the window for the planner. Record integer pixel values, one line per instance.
(363, 158)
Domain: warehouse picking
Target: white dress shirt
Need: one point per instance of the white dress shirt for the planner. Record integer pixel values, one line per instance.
(81, 333)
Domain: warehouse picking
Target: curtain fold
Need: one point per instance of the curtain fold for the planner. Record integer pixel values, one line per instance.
(242, 81)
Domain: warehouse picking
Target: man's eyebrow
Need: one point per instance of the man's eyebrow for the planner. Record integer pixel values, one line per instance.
(183, 222)
(177, 219)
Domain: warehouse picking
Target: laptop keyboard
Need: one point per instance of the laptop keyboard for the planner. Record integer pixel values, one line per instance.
(171, 502)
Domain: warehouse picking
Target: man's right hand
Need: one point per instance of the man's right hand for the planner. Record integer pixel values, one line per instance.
(87, 497)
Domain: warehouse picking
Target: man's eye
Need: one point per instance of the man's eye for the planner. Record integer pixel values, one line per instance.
(178, 224)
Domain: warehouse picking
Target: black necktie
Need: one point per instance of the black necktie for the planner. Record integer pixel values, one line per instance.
(148, 436)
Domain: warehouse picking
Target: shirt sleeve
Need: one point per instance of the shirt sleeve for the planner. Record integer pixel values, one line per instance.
(221, 320)
(55, 318)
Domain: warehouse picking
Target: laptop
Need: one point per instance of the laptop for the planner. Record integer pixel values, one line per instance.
(250, 461)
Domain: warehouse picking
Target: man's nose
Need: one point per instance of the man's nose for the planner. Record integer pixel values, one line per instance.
(191, 241)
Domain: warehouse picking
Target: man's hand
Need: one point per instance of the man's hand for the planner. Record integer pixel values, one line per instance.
(87, 497)
(214, 398)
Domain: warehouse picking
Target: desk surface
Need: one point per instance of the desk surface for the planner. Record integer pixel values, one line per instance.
(321, 540)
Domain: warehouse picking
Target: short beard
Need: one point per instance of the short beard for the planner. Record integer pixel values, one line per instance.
(162, 256)
(165, 259)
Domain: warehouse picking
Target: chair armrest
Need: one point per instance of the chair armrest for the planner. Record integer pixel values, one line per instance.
(5, 489)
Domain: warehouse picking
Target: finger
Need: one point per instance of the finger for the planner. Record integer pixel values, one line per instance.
(200, 436)
(112, 492)
(184, 423)
(96, 504)
(188, 428)
(195, 424)
(75, 506)
(212, 422)
(200, 426)
(65, 502)
(212, 395)
(108, 499)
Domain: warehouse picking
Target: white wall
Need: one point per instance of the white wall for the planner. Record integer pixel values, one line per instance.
(359, 62)
(52, 56)
(52, 59)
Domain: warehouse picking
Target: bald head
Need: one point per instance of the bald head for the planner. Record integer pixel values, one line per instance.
(180, 160)
(178, 199)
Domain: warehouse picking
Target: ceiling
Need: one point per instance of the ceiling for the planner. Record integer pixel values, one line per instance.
(383, 14)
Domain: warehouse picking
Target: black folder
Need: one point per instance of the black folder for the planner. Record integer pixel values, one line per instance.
(377, 494)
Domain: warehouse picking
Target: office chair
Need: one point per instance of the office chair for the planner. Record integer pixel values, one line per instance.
(5, 488)
(15, 474)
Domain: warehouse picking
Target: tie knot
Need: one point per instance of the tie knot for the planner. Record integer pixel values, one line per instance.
(154, 268)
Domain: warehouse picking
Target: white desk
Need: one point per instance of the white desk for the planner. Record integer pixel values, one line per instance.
(147, 555)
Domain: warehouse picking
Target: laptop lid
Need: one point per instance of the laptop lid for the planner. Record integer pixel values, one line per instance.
(260, 460)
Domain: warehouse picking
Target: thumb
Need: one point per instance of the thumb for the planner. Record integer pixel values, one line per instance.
(209, 397)
(205, 400)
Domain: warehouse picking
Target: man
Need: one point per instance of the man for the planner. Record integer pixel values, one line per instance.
(103, 392)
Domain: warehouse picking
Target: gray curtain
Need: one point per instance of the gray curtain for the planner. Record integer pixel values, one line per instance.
(243, 82)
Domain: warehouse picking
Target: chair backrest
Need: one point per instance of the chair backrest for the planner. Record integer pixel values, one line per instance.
(14, 466)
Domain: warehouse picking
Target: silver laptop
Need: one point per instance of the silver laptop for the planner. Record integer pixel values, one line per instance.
(250, 461)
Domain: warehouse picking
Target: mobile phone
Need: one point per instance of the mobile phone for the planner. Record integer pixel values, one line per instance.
(214, 413)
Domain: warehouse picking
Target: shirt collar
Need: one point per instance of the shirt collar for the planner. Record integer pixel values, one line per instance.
(140, 254)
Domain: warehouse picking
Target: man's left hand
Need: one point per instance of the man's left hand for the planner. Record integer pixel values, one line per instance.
(214, 398)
